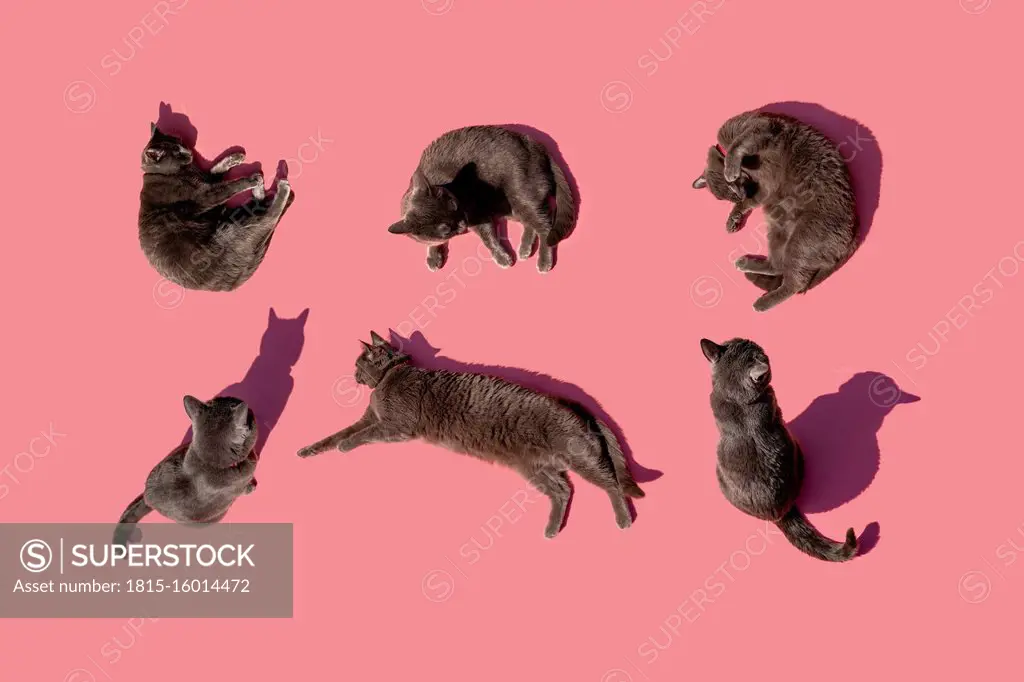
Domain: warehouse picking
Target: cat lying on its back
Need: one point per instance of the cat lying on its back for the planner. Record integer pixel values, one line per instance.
(200, 480)
(801, 180)
(469, 177)
(539, 436)
(187, 231)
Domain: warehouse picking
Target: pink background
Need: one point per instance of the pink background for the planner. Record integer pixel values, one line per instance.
(98, 349)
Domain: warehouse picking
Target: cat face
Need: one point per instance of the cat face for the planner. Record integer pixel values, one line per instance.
(375, 360)
(164, 153)
(224, 431)
(715, 181)
(739, 368)
(432, 214)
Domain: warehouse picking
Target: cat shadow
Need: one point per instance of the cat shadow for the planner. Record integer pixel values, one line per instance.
(858, 147)
(426, 356)
(268, 383)
(838, 434)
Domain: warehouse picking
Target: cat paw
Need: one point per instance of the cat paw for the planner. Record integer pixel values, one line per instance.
(623, 522)
(503, 259)
(754, 264)
(306, 452)
(551, 531)
(761, 305)
(259, 192)
(544, 265)
(436, 261)
(228, 162)
(734, 222)
(526, 249)
(252, 486)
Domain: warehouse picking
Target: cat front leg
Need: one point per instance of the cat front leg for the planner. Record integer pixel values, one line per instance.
(219, 193)
(756, 264)
(249, 488)
(437, 256)
(228, 162)
(490, 239)
(332, 441)
(738, 213)
(748, 145)
(374, 433)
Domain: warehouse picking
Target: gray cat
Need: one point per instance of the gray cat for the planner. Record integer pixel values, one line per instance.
(760, 466)
(540, 436)
(200, 480)
(468, 178)
(188, 233)
(799, 177)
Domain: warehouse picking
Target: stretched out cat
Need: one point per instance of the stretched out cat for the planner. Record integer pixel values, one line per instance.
(200, 480)
(540, 436)
(760, 466)
(801, 180)
(188, 233)
(468, 178)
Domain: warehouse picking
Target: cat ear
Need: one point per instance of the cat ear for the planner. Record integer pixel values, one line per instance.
(152, 129)
(273, 316)
(700, 182)
(445, 195)
(377, 340)
(712, 351)
(303, 315)
(154, 155)
(240, 413)
(193, 406)
(399, 228)
(758, 372)
(419, 181)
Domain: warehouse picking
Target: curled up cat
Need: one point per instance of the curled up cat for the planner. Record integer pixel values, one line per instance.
(199, 480)
(470, 177)
(187, 231)
(760, 466)
(800, 179)
(540, 436)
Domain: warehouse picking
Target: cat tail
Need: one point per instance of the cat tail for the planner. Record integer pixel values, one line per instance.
(132, 515)
(565, 207)
(622, 472)
(805, 537)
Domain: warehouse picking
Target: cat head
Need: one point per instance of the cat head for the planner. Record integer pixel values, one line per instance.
(284, 338)
(739, 369)
(164, 153)
(223, 431)
(376, 359)
(432, 213)
(714, 179)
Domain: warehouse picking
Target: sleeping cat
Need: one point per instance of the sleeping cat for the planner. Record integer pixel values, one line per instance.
(187, 231)
(468, 178)
(540, 436)
(760, 466)
(199, 480)
(801, 180)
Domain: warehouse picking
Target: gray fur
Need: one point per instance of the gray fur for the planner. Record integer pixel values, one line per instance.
(537, 435)
(200, 480)
(187, 231)
(800, 179)
(760, 466)
(471, 177)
